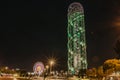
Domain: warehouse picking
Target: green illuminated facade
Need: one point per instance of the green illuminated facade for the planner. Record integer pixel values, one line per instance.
(77, 59)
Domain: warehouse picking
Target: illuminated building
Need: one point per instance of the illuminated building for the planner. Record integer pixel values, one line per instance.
(77, 59)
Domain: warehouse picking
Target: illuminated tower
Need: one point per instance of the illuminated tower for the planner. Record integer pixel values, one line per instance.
(77, 59)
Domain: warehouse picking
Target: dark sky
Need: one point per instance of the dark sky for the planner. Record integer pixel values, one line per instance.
(34, 30)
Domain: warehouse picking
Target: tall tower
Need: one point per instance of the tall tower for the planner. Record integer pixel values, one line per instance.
(77, 59)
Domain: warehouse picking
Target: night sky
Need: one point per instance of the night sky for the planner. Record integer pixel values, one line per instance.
(35, 30)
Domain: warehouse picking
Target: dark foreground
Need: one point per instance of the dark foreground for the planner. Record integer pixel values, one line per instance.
(14, 79)
(32, 79)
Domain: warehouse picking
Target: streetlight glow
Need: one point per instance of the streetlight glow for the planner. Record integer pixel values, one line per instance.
(51, 62)
(47, 66)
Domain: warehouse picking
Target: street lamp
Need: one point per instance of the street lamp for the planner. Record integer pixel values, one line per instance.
(47, 67)
(6, 68)
(51, 65)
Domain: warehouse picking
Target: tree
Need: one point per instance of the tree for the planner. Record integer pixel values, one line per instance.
(100, 72)
(111, 65)
(92, 72)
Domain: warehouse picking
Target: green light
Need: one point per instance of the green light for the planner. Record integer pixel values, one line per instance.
(77, 59)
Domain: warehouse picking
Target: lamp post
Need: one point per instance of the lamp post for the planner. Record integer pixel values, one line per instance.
(47, 67)
(51, 65)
